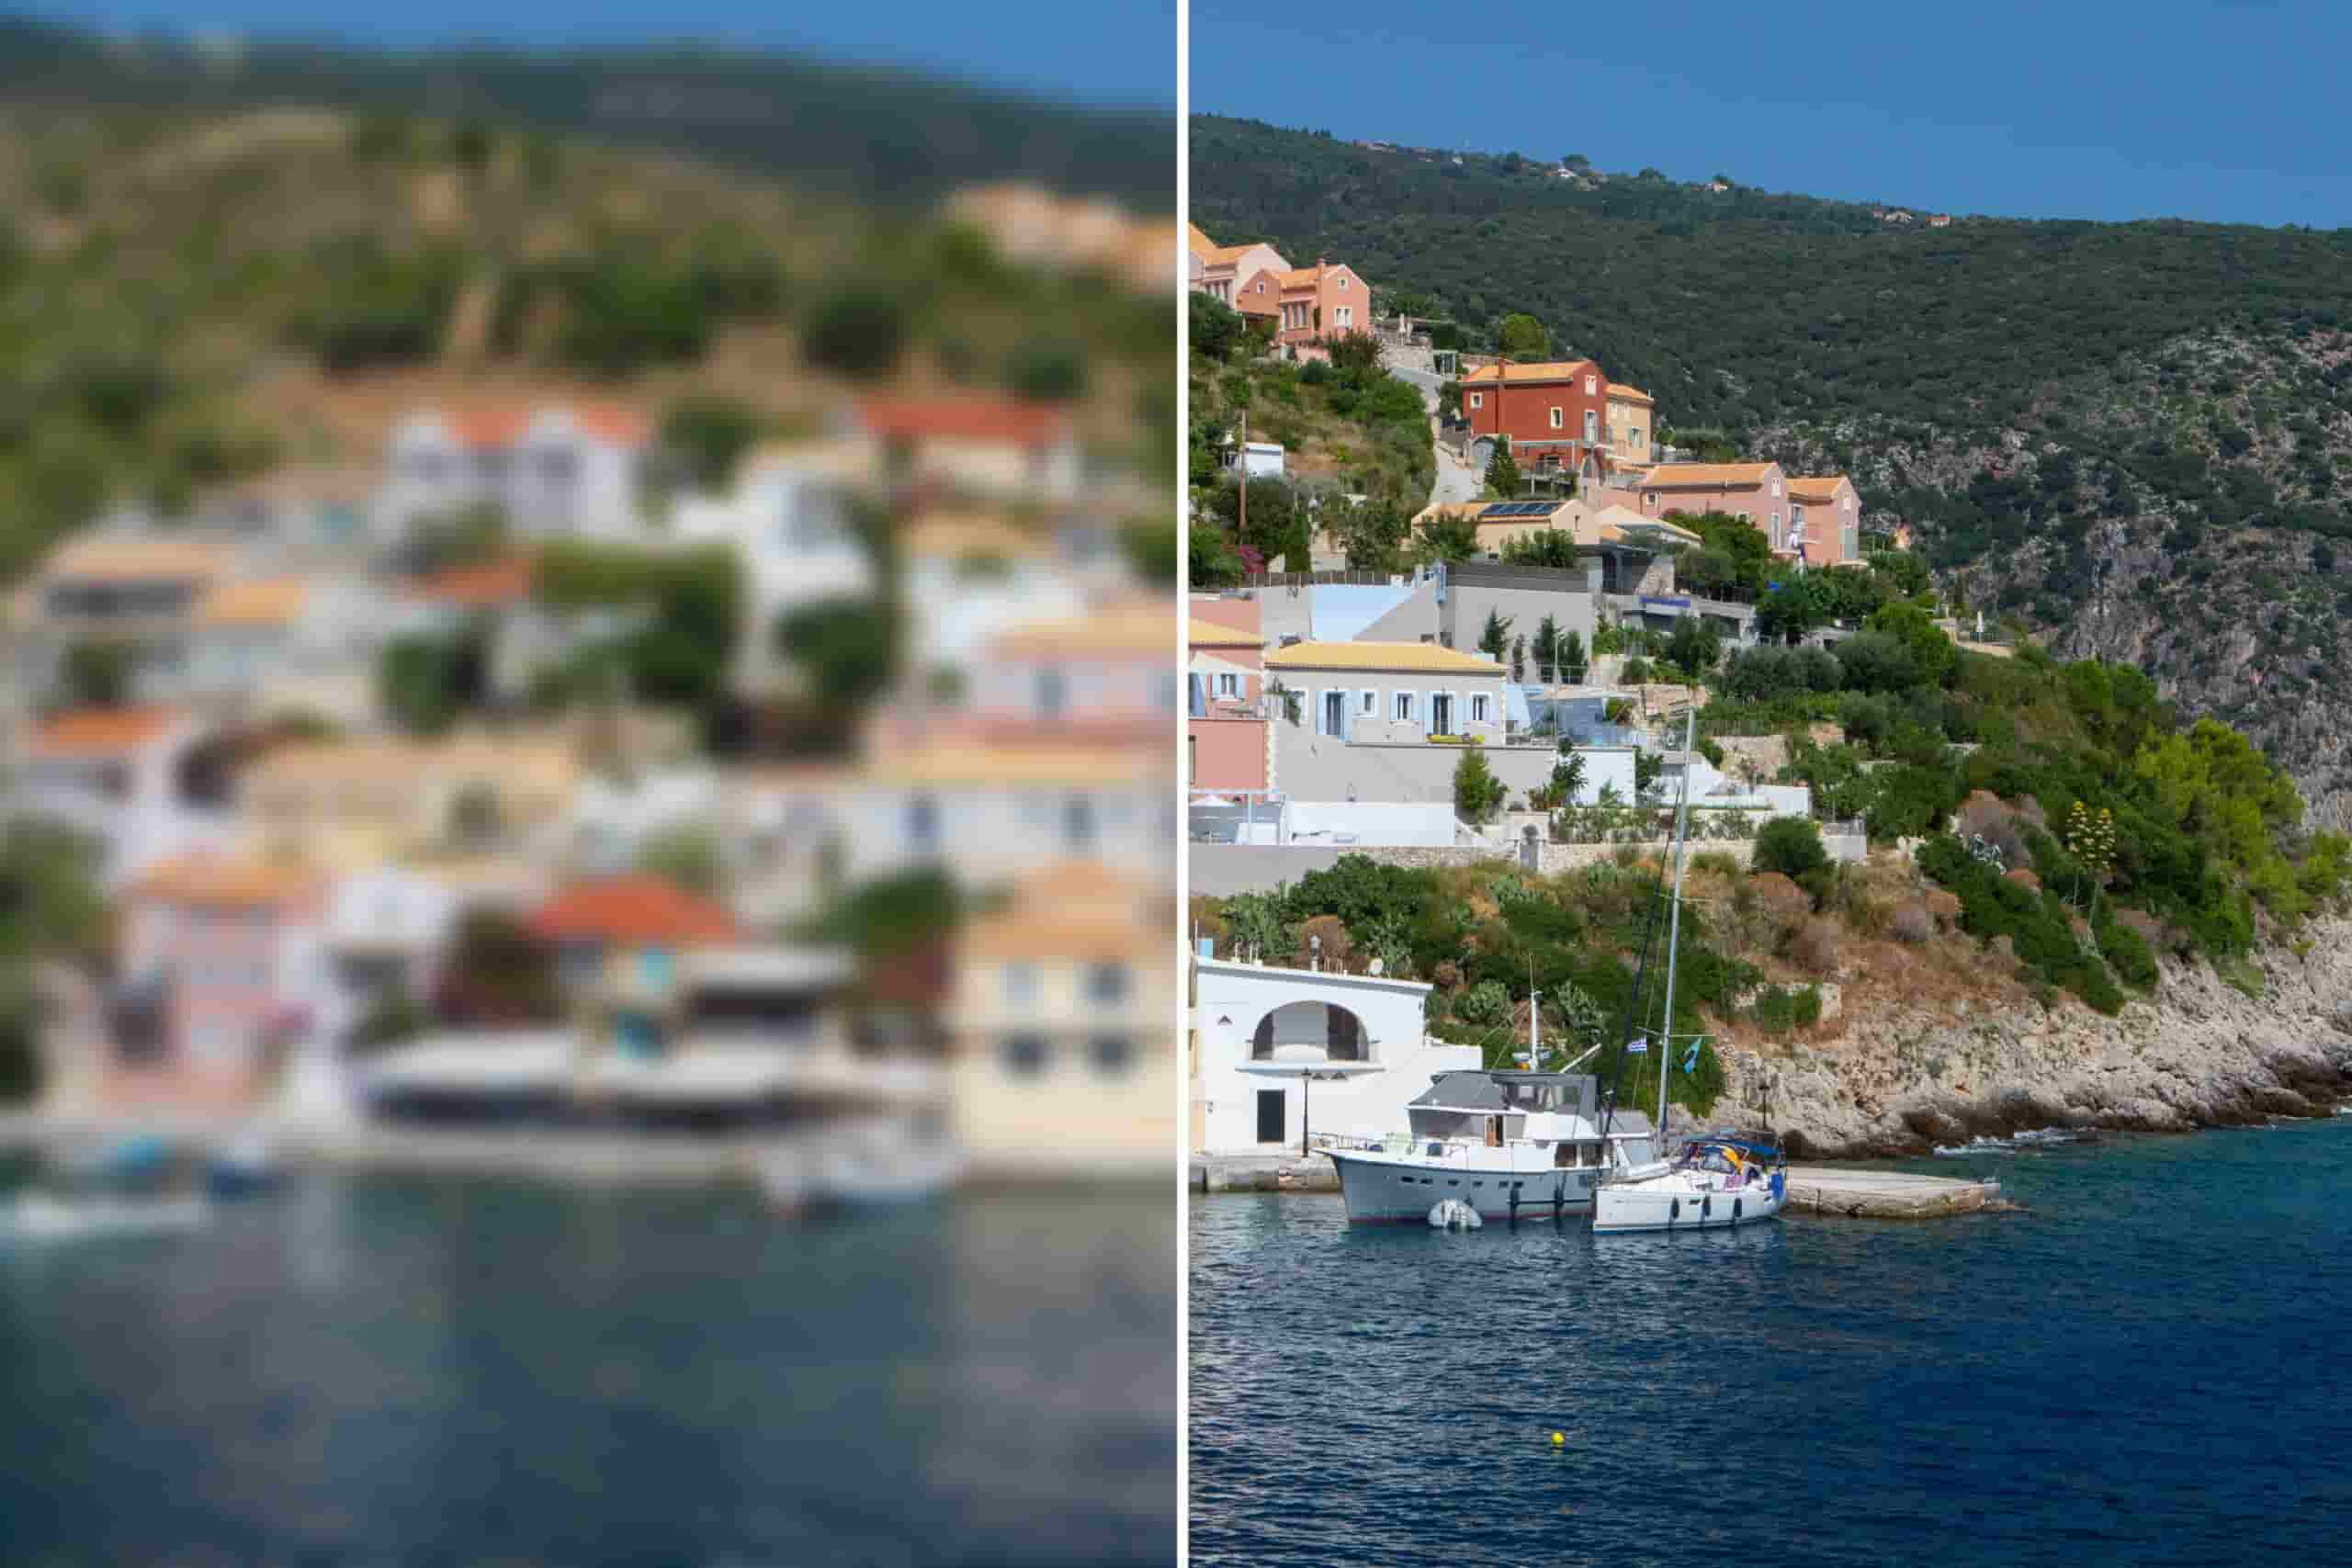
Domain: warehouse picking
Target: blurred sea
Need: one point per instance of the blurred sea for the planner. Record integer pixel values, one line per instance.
(372, 1369)
(2148, 1367)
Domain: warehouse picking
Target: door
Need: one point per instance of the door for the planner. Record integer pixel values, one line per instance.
(1440, 714)
(1494, 1132)
(1272, 1115)
(1334, 712)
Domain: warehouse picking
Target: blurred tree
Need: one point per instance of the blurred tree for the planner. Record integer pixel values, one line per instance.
(859, 332)
(97, 675)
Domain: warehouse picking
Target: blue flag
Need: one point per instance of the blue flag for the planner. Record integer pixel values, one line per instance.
(1691, 1062)
(1639, 1047)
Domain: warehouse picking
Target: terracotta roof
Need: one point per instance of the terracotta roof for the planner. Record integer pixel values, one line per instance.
(1200, 244)
(1630, 394)
(964, 419)
(99, 732)
(488, 428)
(1685, 476)
(1208, 634)
(125, 558)
(611, 424)
(215, 880)
(489, 582)
(1815, 487)
(1548, 370)
(1421, 658)
(634, 910)
(262, 602)
(1076, 911)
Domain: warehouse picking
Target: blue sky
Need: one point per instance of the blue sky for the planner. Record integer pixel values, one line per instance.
(1123, 52)
(2227, 111)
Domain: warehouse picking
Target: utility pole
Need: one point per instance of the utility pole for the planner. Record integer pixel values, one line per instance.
(1241, 459)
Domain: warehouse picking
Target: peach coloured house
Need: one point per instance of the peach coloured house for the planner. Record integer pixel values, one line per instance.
(1757, 492)
(1258, 297)
(1223, 267)
(1224, 729)
(223, 971)
(1825, 518)
(1630, 416)
(1322, 300)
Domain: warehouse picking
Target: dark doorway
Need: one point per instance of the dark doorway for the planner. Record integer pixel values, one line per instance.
(1272, 1115)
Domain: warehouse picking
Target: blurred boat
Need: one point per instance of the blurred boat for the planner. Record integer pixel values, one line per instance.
(247, 1166)
(883, 1161)
(46, 1216)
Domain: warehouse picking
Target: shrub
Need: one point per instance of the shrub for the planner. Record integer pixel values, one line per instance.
(1912, 923)
(1477, 794)
(2127, 951)
(859, 332)
(1792, 846)
(1815, 946)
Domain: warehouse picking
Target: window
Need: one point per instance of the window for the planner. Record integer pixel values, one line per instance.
(1589, 385)
(1404, 712)
(1478, 399)
(1025, 1054)
(1479, 707)
(1048, 693)
(1796, 515)
(1371, 700)
(1775, 530)
(1228, 685)
(1638, 438)
(1343, 283)
(1078, 822)
(1776, 490)
(1591, 426)
(1020, 983)
(922, 822)
(1558, 419)
(1113, 1056)
(1848, 503)
(1344, 315)
(1163, 691)
(1106, 983)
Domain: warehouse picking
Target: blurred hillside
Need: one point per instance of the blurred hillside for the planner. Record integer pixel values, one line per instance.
(191, 295)
(875, 133)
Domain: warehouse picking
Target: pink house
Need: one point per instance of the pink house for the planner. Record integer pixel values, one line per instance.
(1226, 728)
(1222, 269)
(224, 969)
(1757, 492)
(1826, 520)
(1321, 301)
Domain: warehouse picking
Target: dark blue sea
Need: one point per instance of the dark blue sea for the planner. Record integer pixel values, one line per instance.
(386, 1372)
(2151, 1365)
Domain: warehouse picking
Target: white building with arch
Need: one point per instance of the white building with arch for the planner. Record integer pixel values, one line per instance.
(1278, 1051)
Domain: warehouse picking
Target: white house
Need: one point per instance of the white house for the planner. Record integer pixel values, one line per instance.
(125, 777)
(558, 472)
(980, 447)
(1278, 1051)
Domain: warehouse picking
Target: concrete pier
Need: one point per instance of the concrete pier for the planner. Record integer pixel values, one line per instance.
(1884, 1194)
(1290, 1172)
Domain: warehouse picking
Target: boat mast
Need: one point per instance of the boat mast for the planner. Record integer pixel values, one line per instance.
(1674, 922)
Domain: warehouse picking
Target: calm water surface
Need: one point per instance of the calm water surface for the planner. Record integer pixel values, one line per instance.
(2151, 1366)
(402, 1370)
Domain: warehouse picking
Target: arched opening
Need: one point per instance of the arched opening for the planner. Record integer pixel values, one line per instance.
(1337, 1033)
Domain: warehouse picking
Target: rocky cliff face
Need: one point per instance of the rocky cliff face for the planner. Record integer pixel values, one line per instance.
(2201, 1054)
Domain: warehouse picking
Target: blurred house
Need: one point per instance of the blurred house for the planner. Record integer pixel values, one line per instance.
(132, 778)
(977, 447)
(971, 577)
(1059, 1020)
(306, 516)
(989, 810)
(558, 473)
(123, 586)
(1034, 227)
(791, 523)
(224, 974)
(785, 828)
(1108, 676)
(385, 932)
(376, 801)
(296, 644)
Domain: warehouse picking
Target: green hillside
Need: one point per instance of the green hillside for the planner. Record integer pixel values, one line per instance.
(2137, 436)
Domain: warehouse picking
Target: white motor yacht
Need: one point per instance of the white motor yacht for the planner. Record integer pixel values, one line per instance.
(1510, 1144)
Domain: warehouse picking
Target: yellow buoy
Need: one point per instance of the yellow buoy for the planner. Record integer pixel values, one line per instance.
(1557, 1440)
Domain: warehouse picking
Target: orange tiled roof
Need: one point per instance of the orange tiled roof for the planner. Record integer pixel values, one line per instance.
(1548, 370)
(964, 419)
(218, 880)
(1208, 634)
(611, 424)
(1683, 476)
(128, 557)
(97, 732)
(488, 428)
(1815, 487)
(1200, 244)
(490, 582)
(634, 910)
(1631, 394)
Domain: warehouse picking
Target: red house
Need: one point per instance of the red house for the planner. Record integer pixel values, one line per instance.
(1552, 413)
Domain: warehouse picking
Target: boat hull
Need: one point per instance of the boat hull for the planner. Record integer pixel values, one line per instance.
(1622, 1209)
(1384, 1190)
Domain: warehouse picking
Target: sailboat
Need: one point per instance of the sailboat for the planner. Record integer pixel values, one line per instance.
(1726, 1178)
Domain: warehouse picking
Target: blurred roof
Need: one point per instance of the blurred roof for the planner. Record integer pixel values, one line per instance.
(508, 760)
(1074, 911)
(225, 880)
(122, 557)
(100, 732)
(1418, 657)
(634, 910)
(1132, 628)
(955, 535)
(258, 601)
(973, 761)
(502, 582)
(964, 419)
(834, 459)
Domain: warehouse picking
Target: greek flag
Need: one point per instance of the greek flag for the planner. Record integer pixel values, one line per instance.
(1639, 1047)
(1691, 1062)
